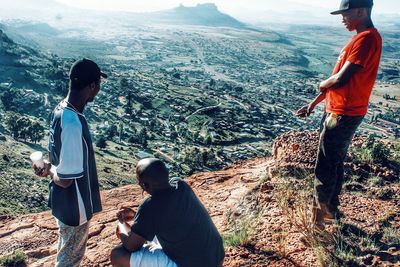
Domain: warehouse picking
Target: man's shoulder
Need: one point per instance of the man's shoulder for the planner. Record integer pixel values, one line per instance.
(147, 203)
(369, 35)
(70, 118)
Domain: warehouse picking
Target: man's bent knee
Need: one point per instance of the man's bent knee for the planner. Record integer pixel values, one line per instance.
(120, 257)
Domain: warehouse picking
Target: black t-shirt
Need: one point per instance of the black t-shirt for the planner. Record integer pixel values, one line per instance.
(182, 225)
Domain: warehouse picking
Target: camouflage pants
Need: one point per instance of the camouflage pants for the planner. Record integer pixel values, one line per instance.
(71, 244)
(333, 146)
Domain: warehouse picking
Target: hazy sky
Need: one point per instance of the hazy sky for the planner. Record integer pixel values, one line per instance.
(232, 7)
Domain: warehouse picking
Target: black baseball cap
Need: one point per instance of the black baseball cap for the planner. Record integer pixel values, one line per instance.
(85, 71)
(349, 4)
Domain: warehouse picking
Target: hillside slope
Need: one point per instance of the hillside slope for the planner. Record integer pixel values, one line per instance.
(31, 80)
(36, 234)
(260, 207)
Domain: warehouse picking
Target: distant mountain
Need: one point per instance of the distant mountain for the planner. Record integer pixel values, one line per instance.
(43, 17)
(202, 14)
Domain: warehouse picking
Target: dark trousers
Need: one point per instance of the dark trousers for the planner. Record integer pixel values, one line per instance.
(333, 146)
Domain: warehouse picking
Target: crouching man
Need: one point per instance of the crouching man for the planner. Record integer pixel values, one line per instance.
(175, 216)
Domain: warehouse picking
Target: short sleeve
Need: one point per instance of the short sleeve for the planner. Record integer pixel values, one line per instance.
(362, 50)
(71, 153)
(143, 223)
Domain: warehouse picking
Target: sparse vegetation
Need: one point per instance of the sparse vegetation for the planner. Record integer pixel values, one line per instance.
(16, 259)
(375, 180)
(101, 142)
(387, 216)
(363, 155)
(282, 243)
(343, 251)
(199, 100)
(373, 152)
(338, 245)
(391, 235)
(295, 198)
(241, 234)
(380, 153)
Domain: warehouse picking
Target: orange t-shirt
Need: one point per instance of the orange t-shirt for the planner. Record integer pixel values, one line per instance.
(352, 99)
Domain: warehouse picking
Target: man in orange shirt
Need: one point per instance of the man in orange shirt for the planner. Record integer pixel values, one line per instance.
(346, 93)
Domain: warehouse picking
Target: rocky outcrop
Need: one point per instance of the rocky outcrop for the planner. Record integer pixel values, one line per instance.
(243, 196)
(295, 150)
(298, 151)
(36, 234)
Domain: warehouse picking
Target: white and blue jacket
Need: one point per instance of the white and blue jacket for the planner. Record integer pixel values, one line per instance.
(71, 152)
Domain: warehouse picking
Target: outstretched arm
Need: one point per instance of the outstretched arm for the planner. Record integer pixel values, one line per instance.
(341, 78)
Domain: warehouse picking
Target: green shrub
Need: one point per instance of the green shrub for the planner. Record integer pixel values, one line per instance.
(101, 142)
(15, 259)
(375, 180)
(395, 155)
(370, 141)
(363, 155)
(380, 153)
(391, 235)
(373, 152)
(240, 236)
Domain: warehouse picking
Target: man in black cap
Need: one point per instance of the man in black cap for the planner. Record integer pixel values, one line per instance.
(346, 93)
(74, 188)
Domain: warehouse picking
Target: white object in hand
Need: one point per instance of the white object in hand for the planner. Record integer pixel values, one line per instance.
(124, 228)
(37, 159)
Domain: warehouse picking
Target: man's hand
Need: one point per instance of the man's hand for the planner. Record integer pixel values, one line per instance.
(125, 215)
(42, 172)
(123, 228)
(305, 111)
